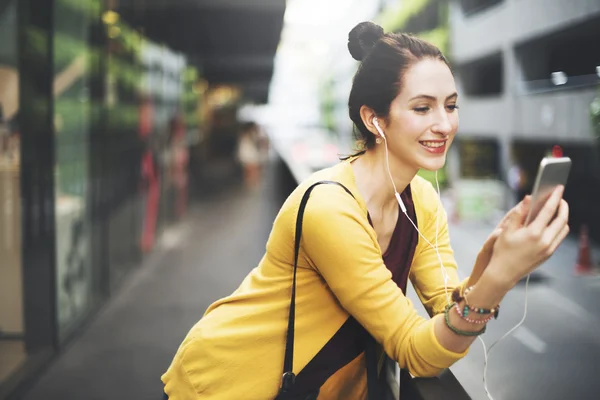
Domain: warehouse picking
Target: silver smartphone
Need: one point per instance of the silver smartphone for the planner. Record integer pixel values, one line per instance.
(553, 171)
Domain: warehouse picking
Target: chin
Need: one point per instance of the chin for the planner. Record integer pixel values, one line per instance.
(433, 164)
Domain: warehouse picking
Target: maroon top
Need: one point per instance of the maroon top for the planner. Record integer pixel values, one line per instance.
(349, 340)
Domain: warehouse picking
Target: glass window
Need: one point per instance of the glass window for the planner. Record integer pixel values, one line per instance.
(73, 65)
(12, 349)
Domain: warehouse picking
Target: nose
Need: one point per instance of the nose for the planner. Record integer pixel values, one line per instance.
(442, 125)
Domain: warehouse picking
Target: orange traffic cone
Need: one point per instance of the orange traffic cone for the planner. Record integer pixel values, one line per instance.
(584, 258)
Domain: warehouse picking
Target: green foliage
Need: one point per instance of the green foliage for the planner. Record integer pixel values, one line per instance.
(439, 37)
(393, 19)
(89, 8)
(128, 75)
(430, 176)
(328, 104)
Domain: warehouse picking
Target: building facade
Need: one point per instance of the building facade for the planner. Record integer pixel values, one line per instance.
(528, 74)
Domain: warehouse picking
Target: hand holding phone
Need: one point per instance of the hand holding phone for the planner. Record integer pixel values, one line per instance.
(553, 172)
(521, 248)
(534, 229)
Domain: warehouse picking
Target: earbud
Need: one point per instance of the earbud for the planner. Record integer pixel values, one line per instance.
(376, 123)
(398, 198)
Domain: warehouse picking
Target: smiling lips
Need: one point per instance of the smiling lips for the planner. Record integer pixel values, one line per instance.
(434, 146)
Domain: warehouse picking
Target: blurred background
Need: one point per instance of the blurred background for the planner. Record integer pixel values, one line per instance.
(147, 145)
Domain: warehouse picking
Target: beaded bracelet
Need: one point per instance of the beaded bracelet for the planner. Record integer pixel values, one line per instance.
(455, 329)
(461, 313)
(456, 297)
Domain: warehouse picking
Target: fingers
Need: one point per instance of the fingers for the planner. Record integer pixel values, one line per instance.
(557, 228)
(489, 243)
(526, 203)
(562, 219)
(549, 210)
(558, 239)
(516, 216)
(523, 203)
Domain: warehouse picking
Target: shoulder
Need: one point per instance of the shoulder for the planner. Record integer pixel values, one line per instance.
(425, 197)
(332, 190)
(423, 190)
(329, 208)
(326, 200)
(333, 182)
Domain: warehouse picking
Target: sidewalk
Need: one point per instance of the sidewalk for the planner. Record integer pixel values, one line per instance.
(124, 351)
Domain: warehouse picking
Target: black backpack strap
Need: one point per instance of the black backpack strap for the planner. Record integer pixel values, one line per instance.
(289, 377)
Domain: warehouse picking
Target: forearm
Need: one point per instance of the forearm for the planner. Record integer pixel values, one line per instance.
(481, 264)
(487, 292)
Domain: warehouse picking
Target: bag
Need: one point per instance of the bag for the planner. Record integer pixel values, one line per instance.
(288, 378)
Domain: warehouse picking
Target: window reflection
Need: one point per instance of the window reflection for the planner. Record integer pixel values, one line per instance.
(12, 351)
(73, 63)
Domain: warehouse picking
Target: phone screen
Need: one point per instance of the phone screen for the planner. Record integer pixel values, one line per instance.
(552, 173)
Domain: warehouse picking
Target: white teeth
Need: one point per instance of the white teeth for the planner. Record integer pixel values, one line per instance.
(433, 144)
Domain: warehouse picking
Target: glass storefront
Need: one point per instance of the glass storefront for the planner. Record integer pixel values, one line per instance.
(12, 351)
(95, 124)
(74, 62)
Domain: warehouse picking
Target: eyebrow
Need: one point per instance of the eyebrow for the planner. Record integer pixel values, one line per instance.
(432, 98)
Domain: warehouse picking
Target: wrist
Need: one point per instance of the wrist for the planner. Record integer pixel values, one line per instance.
(462, 326)
(488, 292)
(497, 274)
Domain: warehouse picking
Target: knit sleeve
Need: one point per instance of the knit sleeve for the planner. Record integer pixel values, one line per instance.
(341, 245)
(178, 384)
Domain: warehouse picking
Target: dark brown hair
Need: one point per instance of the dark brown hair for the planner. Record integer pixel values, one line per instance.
(384, 60)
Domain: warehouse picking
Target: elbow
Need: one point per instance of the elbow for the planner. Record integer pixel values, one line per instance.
(423, 370)
(423, 357)
(420, 367)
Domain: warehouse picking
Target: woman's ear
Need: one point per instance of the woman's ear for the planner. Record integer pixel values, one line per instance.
(367, 115)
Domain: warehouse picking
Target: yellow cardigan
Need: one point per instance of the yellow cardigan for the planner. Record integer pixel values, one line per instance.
(236, 350)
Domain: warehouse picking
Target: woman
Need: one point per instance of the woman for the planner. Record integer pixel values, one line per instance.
(358, 251)
(248, 154)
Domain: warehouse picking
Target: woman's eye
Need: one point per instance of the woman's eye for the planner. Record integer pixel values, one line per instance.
(421, 109)
(452, 107)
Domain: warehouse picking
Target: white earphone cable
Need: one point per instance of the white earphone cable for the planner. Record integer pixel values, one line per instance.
(486, 352)
(443, 268)
(445, 275)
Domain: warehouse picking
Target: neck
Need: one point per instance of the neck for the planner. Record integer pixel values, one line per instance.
(373, 180)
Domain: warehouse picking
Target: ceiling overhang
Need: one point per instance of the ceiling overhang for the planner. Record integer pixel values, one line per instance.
(230, 41)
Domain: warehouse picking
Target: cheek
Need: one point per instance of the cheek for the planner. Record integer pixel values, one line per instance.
(454, 121)
(410, 126)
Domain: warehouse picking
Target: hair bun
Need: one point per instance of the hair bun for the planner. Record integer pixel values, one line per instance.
(362, 38)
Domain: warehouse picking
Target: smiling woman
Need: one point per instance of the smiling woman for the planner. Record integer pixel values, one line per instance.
(328, 297)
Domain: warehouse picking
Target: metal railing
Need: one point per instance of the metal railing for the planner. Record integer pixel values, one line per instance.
(404, 387)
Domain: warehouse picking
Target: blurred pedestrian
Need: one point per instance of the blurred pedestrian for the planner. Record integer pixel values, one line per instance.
(249, 154)
(331, 286)
(150, 175)
(517, 181)
(179, 162)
